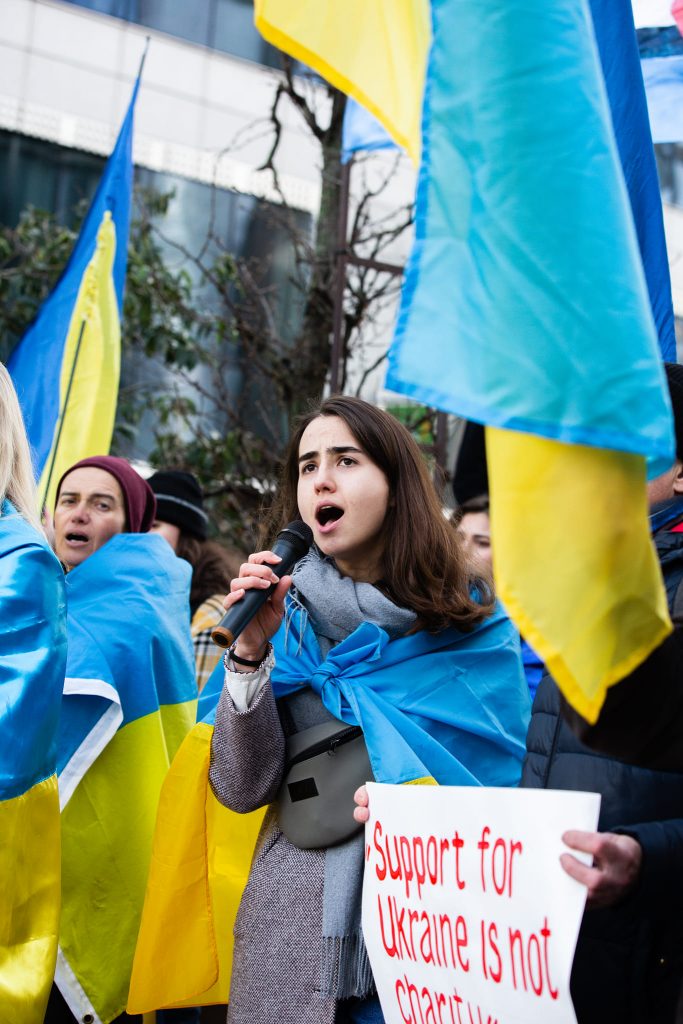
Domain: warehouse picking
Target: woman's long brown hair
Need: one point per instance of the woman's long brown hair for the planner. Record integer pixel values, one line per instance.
(423, 566)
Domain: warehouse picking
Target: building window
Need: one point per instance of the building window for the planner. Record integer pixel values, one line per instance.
(38, 173)
(225, 25)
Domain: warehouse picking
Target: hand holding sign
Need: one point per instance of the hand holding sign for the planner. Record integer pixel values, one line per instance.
(467, 913)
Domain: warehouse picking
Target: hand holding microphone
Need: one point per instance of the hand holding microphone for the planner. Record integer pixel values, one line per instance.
(250, 615)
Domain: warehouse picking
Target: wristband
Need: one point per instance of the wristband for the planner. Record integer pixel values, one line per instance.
(247, 662)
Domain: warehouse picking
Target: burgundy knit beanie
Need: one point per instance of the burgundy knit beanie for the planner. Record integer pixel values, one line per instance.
(138, 496)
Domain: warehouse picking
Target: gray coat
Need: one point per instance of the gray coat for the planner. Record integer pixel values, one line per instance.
(278, 953)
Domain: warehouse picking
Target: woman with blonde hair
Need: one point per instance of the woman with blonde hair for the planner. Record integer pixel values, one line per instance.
(32, 666)
(17, 483)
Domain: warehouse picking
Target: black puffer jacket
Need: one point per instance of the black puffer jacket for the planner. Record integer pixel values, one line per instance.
(629, 958)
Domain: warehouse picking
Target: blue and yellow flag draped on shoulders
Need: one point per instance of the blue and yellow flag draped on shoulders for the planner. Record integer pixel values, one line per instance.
(66, 367)
(32, 665)
(452, 709)
(129, 700)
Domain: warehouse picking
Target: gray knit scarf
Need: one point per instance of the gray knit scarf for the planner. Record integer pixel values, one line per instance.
(336, 606)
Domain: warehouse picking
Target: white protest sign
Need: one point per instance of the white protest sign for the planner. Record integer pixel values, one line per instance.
(468, 915)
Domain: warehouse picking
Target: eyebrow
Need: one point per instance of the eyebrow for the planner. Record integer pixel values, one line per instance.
(335, 450)
(97, 494)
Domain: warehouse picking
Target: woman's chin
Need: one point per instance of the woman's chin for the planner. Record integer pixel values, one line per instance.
(325, 546)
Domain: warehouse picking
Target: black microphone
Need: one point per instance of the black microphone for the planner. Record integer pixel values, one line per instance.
(292, 544)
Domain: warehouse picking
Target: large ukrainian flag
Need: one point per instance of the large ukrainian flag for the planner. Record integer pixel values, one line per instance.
(66, 366)
(129, 700)
(525, 305)
(32, 663)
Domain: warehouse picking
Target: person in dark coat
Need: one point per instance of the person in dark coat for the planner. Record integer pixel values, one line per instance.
(629, 957)
(641, 719)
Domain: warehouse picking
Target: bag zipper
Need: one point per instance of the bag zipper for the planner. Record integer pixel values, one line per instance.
(328, 745)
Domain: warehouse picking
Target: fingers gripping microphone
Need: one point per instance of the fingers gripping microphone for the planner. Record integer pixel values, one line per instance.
(292, 544)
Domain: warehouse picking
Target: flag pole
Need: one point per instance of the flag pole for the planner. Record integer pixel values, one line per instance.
(340, 277)
(62, 415)
(144, 56)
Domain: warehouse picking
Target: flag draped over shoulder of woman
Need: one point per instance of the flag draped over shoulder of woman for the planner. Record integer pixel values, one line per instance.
(129, 700)
(32, 664)
(66, 366)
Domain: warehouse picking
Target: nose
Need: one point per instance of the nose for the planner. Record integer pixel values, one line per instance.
(79, 512)
(324, 480)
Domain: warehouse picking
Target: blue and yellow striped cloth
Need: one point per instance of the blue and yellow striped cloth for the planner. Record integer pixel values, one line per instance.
(129, 700)
(200, 864)
(526, 305)
(526, 308)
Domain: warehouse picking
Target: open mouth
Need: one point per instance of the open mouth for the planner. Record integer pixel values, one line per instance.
(328, 514)
(77, 538)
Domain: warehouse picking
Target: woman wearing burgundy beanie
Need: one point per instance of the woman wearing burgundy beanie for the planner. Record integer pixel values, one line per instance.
(97, 498)
(128, 643)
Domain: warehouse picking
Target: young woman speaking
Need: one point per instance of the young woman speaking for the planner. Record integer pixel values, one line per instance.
(380, 656)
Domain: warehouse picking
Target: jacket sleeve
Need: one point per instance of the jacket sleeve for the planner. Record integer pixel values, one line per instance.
(659, 891)
(641, 720)
(247, 752)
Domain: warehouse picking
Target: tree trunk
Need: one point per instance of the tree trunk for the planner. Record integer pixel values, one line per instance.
(313, 343)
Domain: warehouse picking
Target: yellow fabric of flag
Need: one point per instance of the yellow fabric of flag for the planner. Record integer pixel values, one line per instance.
(107, 829)
(555, 509)
(29, 901)
(200, 863)
(375, 52)
(93, 354)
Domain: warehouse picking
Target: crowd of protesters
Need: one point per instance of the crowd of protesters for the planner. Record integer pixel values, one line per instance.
(387, 569)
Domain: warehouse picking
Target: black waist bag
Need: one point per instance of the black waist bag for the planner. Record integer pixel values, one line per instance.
(324, 766)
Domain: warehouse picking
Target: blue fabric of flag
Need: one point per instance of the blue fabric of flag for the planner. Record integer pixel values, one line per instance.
(130, 650)
(361, 132)
(618, 49)
(36, 363)
(210, 695)
(32, 661)
(32, 654)
(525, 305)
(453, 707)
